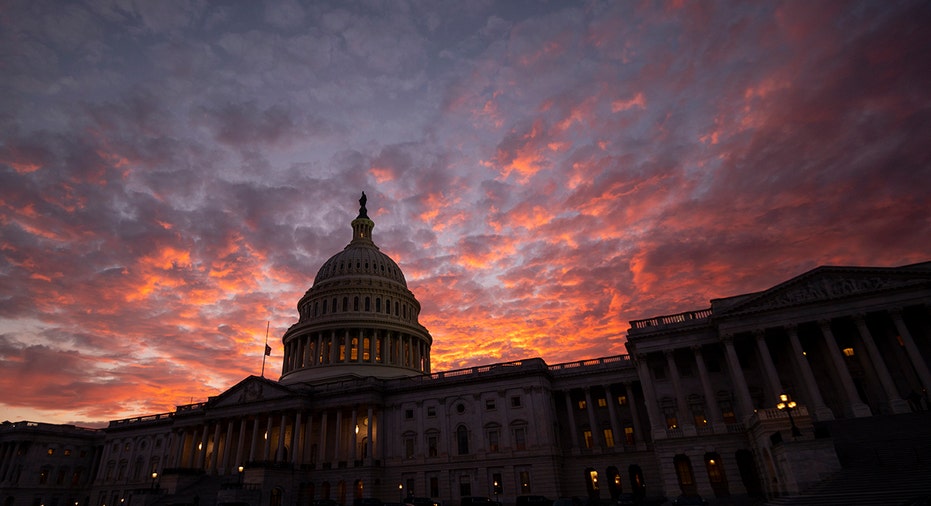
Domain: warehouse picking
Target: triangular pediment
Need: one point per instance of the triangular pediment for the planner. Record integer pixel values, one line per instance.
(251, 389)
(827, 284)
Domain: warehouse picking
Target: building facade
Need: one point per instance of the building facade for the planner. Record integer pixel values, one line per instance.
(732, 402)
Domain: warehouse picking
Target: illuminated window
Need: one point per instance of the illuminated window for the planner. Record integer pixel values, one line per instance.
(602, 402)
(672, 422)
(51, 451)
(848, 352)
(524, 477)
(609, 437)
(700, 420)
(587, 435)
(622, 400)
(629, 435)
(582, 404)
(683, 470)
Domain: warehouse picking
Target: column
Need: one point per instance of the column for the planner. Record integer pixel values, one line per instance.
(921, 368)
(338, 440)
(255, 435)
(227, 447)
(334, 348)
(612, 413)
(308, 440)
(634, 411)
(353, 456)
(820, 410)
(267, 445)
(711, 401)
(896, 403)
(857, 407)
(215, 454)
(323, 438)
(772, 377)
(737, 375)
(242, 439)
(570, 412)
(368, 434)
(201, 449)
(282, 430)
(657, 422)
(296, 440)
(590, 408)
(684, 415)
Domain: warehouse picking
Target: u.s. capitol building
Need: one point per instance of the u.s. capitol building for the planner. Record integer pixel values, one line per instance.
(758, 396)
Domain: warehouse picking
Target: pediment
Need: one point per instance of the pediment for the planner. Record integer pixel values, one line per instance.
(251, 389)
(825, 284)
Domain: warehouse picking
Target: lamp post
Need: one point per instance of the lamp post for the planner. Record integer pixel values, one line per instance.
(154, 477)
(785, 403)
(240, 475)
(401, 493)
(496, 491)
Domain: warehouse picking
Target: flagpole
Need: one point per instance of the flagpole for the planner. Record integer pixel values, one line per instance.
(265, 352)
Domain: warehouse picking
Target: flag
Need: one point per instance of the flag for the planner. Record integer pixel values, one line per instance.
(268, 350)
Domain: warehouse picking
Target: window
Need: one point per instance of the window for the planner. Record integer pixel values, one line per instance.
(43, 476)
(67, 452)
(672, 422)
(609, 437)
(51, 451)
(602, 402)
(587, 435)
(629, 435)
(493, 440)
(465, 486)
(431, 411)
(622, 400)
(715, 469)
(432, 446)
(324, 306)
(355, 303)
(520, 438)
(515, 401)
(368, 304)
(848, 352)
(378, 304)
(460, 408)
(683, 470)
(489, 404)
(434, 486)
(462, 440)
(409, 414)
(345, 304)
(524, 478)
(582, 404)
(409, 447)
(497, 487)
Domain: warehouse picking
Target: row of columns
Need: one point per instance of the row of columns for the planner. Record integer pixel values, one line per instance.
(221, 446)
(357, 346)
(821, 411)
(616, 428)
(114, 451)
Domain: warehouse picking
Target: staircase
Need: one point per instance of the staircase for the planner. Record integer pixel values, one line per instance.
(886, 462)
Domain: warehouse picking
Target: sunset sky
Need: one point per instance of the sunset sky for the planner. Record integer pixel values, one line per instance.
(173, 173)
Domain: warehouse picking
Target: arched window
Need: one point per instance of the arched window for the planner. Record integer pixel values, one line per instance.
(637, 485)
(388, 306)
(378, 304)
(684, 473)
(334, 305)
(462, 440)
(397, 311)
(324, 306)
(591, 483)
(614, 482)
(355, 303)
(368, 304)
(345, 304)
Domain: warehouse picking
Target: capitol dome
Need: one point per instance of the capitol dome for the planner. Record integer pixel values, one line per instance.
(358, 319)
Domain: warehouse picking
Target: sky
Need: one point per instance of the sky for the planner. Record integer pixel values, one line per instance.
(174, 173)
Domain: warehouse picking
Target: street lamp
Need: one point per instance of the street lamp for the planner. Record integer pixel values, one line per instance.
(401, 493)
(154, 477)
(240, 475)
(496, 490)
(787, 404)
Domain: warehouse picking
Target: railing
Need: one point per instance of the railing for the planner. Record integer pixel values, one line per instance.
(51, 427)
(590, 363)
(142, 419)
(659, 321)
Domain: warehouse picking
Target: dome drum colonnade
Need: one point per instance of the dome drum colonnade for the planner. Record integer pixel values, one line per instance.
(358, 319)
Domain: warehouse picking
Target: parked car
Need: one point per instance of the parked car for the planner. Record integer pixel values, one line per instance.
(533, 500)
(474, 500)
(689, 500)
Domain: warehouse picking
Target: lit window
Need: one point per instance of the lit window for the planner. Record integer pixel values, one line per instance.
(848, 352)
(587, 435)
(629, 435)
(602, 402)
(51, 451)
(622, 400)
(582, 404)
(609, 438)
(672, 423)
